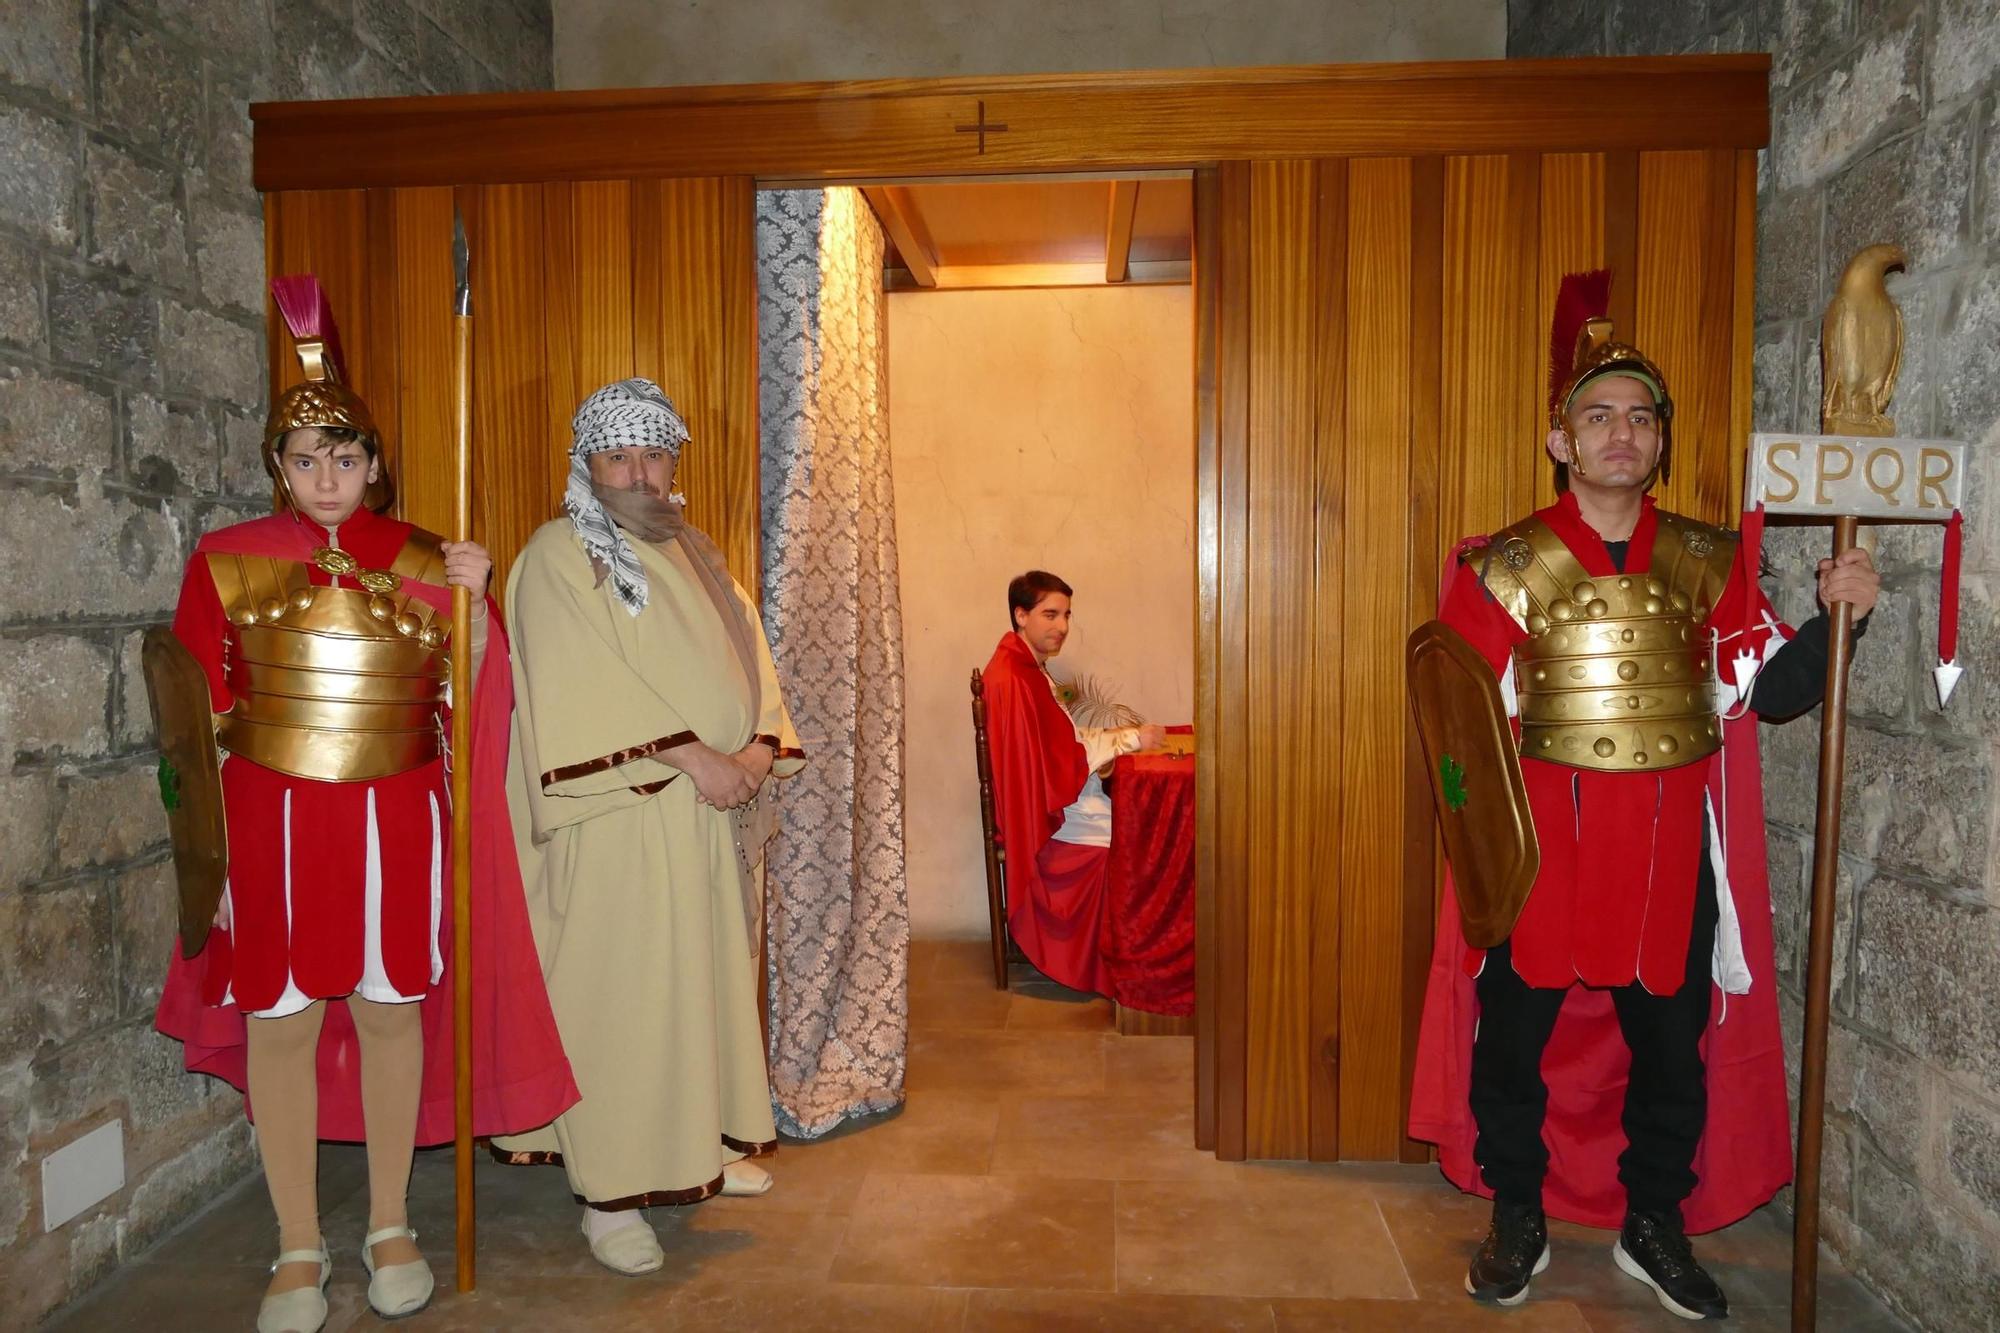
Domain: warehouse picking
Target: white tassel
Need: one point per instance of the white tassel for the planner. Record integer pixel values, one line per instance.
(1946, 674)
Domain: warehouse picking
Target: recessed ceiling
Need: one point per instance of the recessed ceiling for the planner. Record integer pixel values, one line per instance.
(1053, 231)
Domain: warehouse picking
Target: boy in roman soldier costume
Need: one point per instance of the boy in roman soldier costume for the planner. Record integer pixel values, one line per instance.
(322, 988)
(1583, 1062)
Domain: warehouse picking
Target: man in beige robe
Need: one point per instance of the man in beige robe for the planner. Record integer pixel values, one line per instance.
(648, 723)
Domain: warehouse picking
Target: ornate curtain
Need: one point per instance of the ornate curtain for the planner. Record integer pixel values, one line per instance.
(836, 904)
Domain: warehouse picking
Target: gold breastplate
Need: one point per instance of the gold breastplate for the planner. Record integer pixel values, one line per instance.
(1616, 673)
(339, 684)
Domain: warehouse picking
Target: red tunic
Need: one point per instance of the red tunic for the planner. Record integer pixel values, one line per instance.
(521, 1078)
(1614, 903)
(1039, 767)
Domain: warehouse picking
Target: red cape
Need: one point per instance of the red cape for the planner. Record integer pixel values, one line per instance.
(521, 1078)
(1038, 769)
(1745, 1155)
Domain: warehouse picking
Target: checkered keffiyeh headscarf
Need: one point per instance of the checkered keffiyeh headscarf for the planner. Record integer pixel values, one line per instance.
(630, 414)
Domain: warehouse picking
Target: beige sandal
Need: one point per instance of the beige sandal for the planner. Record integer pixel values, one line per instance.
(396, 1291)
(302, 1309)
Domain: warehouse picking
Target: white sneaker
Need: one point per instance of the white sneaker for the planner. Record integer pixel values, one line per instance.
(303, 1309)
(631, 1248)
(396, 1290)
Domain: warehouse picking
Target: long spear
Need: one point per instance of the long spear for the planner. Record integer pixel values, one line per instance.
(461, 757)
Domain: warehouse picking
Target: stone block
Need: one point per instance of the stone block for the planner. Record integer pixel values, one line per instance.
(1881, 1091)
(47, 422)
(1918, 804)
(390, 26)
(1790, 868)
(1831, 118)
(1989, 174)
(27, 829)
(1640, 28)
(1982, 502)
(1968, 374)
(445, 66)
(39, 174)
(322, 58)
(1791, 770)
(229, 252)
(1560, 28)
(243, 471)
(1931, 1263)
(171, 1191)
(103, 325)
(1974, 711)
(124, 1069)
(209, 356)
(227, 177)
(148, 924)
(1774, 392)
(53, 689)
(1926, 978)
(149, 92)
(232, 34)
(21, 320)
(1915, 191)
(169, 448)
(1788, 257)
(61, 966)
(114, 557)
(109, 818)
(137, 222)
(1965, 49)
(41, 47)
(133, 718)
(1972, 1153)
(93, 1245)
(1883, 678)
(1806, 36)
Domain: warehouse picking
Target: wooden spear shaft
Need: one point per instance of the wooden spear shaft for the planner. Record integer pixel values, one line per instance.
(1819, 966)
(461, 769)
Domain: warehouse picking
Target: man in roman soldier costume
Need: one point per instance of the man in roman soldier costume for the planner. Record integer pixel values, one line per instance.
(1614, 1057)
(313, 967)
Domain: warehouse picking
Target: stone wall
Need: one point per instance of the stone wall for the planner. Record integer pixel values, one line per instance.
(132, 374)
(1884, 128)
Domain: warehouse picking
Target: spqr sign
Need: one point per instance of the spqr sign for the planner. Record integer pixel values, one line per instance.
(1914, 480)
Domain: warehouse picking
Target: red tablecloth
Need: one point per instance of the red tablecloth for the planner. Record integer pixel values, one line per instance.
(1147, 937)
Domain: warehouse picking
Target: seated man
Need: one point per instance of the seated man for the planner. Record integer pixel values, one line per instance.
(1053, 813)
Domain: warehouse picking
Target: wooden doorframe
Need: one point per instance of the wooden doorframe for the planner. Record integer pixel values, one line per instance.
(1215, 122)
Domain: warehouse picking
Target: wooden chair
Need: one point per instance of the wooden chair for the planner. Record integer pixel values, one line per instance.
(996, 855)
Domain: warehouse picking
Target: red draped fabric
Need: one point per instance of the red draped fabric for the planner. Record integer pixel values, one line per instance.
(1147, 938)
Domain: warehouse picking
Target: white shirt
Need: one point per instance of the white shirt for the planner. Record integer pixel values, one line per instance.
(1087, 819)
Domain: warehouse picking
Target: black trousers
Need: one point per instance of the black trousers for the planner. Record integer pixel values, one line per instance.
(1666, 1098)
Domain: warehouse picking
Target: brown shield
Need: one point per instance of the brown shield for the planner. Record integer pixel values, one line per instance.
(190, 780)
(1482, 803)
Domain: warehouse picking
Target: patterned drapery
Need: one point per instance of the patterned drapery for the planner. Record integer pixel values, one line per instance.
(836, 903)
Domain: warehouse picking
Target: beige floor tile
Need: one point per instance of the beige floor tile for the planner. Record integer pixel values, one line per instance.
(742, 1246)
(1032, 1013)
(1103, 1138)
(959, 1004)
(980, 1231)
(822, 1307)
(940, 1133)
(1090, 1312)
(1163, 1066)
(1296, 1236)
(1016, 1063)
(951, 960)
(1425, 1317)
(602, 1301)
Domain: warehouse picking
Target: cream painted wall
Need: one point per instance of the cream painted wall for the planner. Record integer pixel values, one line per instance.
(1033, 429)
(621, 44)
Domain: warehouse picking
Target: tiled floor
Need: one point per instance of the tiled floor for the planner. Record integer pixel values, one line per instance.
(1042, 1177)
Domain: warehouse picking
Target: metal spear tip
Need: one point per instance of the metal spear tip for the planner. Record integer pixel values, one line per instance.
(461, 262)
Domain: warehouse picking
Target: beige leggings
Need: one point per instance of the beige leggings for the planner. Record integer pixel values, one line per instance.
(284, 1094)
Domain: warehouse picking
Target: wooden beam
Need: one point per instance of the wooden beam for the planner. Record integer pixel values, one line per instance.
(896, 209)
(1066, 122)
(1118, 229)
(982, 277)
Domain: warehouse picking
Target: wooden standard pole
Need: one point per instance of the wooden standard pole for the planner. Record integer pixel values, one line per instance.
(461, 767)
(1819, 968)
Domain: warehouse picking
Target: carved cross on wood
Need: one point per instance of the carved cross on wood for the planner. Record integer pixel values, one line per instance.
(982, 128)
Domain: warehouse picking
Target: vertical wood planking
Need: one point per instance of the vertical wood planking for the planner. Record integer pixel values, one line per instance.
(424, 290)
(1281, 532)
(1743, 348)
(1330, 341)
(1235, 629)
(1491, 411)
(326, 233)
(742, 538)
(1207, 342)
(1413, 922)
(1375, 600)
(1571, 241)
(563, 333)
(503, 225)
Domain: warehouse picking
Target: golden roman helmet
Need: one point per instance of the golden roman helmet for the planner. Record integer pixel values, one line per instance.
(1582, 349)
(321, 399)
